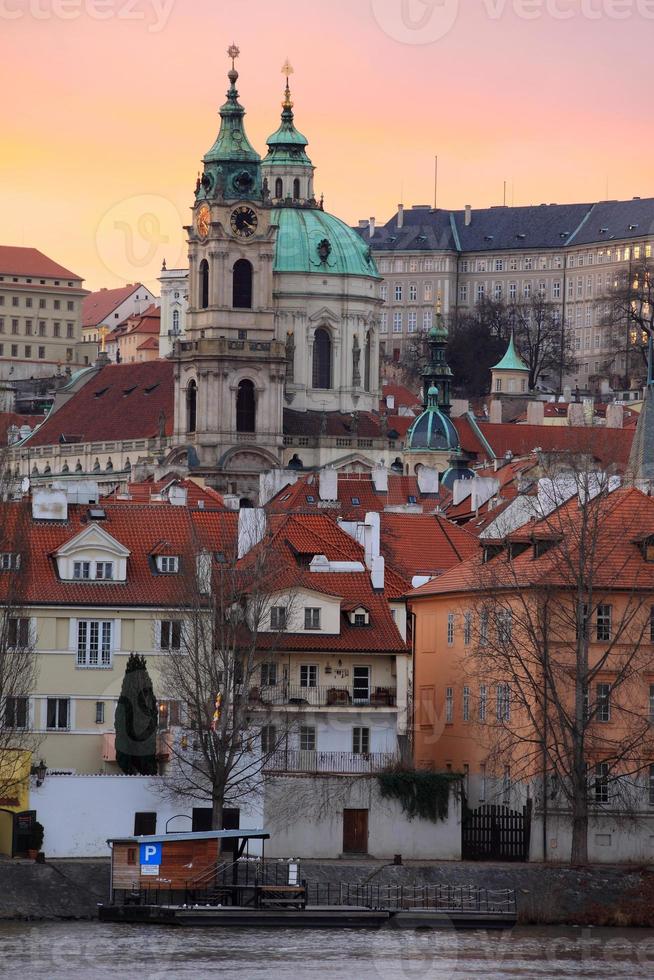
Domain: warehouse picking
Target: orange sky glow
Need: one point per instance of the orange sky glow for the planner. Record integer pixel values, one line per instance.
(109, 106)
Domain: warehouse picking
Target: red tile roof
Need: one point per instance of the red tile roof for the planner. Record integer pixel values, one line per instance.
(356, 496)
(17, 261)
(97, 306)
(404, 397)
(151, 343)
(121, 401)
(625, 518)
(608, 446)
(148, 490)
(424, 544)
(7, 419)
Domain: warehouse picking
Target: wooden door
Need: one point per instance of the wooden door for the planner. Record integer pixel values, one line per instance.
(355, 831)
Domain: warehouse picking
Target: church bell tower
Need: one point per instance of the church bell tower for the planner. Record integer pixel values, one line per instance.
(230, 370)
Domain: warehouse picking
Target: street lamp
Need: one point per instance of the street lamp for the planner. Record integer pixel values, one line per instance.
(40, 772)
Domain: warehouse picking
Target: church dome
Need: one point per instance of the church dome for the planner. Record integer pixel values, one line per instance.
(433, 430)
(310, 240)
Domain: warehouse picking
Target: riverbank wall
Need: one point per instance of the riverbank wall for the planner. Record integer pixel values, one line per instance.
(546, 895)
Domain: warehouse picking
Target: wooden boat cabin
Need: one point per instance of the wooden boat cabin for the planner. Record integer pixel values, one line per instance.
(177, 862)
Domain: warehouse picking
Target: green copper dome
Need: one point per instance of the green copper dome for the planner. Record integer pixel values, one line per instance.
(310, 240)
(433, 430)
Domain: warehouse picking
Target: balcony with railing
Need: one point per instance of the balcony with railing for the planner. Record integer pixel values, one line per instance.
(306, 761)
(298, 696)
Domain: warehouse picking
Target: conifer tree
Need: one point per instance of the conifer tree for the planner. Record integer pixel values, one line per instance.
(136, 721)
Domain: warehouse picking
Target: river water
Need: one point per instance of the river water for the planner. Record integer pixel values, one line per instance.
(95, 951)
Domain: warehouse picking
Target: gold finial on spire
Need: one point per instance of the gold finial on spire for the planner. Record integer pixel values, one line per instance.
(287, 69)
(439, 303)
(233, 52)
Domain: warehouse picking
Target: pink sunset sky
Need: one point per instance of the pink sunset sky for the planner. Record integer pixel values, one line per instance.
(109, 106)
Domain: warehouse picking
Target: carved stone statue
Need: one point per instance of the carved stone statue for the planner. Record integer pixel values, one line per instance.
(266, 189)
(356, 358)
(290, 356)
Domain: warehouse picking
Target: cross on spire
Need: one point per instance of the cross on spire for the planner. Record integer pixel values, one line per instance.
(233, 52)
(287, 69)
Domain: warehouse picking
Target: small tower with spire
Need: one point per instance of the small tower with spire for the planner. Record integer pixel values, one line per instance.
(438, 373)
(287, 168)
(511, 375)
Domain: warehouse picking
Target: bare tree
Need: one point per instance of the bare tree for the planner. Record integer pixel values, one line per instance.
(18, 662)
(563, 610)
(627, 315)
(235, 605)
(543, 341)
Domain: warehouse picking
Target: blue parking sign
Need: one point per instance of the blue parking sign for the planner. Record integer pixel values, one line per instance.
(150, 854)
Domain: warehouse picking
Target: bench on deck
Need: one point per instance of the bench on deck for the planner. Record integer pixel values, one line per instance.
(282, 896)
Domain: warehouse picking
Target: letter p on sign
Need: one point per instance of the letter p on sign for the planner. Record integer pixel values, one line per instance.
(150, 855)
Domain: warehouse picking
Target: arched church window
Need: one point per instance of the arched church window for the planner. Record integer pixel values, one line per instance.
(245, 407)
(204, 284)
(191, 406)
(279, 187)
(296, 189)
(366, 363)
(242, 283)
(175, 321)
(322, 359)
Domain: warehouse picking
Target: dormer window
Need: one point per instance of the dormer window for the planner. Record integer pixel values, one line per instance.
(312, 619)
(360, 617)
(104, 570)
(82, 570)
(9, 561)
(168, 564)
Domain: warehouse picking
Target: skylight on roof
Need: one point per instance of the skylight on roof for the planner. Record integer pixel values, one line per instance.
(356, 502)
(311, 499)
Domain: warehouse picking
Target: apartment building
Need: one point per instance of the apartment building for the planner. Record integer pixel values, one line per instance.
(105, 310)
(40, 314)
(570, 254)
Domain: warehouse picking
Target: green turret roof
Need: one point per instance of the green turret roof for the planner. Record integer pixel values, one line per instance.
(232, 142)
(511, 360)
(310, 240)
(287, 144)
(433, 430)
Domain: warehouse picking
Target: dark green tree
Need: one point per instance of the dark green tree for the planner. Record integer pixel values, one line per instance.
(136, 721)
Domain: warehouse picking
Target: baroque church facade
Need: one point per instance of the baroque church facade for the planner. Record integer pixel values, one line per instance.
(281, 328)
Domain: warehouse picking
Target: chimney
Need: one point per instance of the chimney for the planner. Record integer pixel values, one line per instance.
(380, 478)
(535, 413)
(459, 407)
(468, 215)
(371, 226)
(614, 416)
(377, 573)
(495, 411)
(400, 216)
(251, 528)
(427, 479)
(371, 537)
(50, 505)
(575, 413)
(328, 489)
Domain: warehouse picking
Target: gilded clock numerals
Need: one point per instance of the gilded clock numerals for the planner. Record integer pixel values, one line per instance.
(244, 222)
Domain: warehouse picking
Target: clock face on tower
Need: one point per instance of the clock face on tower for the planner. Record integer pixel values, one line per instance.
(203, 221)
(244, 222)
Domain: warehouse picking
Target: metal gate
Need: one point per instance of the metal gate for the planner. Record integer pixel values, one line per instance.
(496, 833)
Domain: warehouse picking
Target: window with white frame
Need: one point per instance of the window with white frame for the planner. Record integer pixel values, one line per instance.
(94, 643)
(58, 714)
(18, 633)
(602, 782)
(360, 740)
(499, 265)
(9, 562)
(463, 292)
(104, 570)
(513, 265)
(397, 323)
(168, 564)
(269, 675)
(529, 263)
(497, 292)
(307, 738)
(467, 628)
(428, 292)
(556, 290)
(449, 705)
(82, 570)
(427, 319)
(312, 618)
(481, 291)
(170, 634)
(16, 713)
(503, 702)
(308, 675)
(99, 712)
(383, 322)
(603, 623)
(603, 702)
(450, 629)
(398, 292)
(383, 291)
(504, 626)
(278, 618)
(268, 739)
(513, 290)
(413, 292)
(412, 321)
